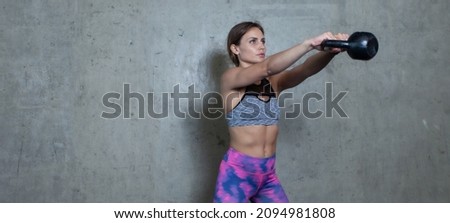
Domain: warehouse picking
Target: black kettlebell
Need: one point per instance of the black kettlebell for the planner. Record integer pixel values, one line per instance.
(359, 46)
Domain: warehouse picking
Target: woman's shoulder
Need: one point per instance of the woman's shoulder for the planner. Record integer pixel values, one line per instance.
(231, 71)
(230, 74)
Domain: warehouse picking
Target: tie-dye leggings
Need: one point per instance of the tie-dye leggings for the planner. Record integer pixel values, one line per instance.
(248, 179)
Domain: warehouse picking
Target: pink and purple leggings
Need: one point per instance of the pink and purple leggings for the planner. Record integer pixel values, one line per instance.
(248, 179)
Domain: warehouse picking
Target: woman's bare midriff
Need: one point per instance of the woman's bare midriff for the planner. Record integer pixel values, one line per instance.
(256, 140)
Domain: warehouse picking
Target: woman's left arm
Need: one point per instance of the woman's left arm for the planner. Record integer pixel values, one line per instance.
(298, 74)
(311, 66)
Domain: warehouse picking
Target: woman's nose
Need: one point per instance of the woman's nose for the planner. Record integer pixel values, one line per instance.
(261, 46)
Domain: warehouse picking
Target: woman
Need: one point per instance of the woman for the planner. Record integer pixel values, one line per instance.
(250, 90)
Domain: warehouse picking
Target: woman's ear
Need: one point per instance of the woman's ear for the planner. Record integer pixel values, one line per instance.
(234, 49)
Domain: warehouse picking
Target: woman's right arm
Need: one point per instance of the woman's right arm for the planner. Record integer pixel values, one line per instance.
(238, 77)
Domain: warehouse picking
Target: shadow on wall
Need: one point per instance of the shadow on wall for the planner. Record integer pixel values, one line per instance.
(211, 134)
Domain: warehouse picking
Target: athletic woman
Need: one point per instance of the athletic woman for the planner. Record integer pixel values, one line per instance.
(250, 91)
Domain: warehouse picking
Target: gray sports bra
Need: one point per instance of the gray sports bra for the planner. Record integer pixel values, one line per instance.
(252, 110)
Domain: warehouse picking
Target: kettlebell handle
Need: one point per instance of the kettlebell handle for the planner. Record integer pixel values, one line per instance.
(359, 46)
(335, 44)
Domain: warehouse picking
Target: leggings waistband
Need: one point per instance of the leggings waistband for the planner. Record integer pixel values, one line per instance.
(248, 163)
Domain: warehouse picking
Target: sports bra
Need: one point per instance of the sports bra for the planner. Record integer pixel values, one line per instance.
(252, 110)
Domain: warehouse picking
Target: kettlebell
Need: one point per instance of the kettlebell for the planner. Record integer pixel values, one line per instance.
(359, 46)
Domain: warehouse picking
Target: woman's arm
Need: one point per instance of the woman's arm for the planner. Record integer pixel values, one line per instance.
(311, 66)
(238, 77)
(298, 74)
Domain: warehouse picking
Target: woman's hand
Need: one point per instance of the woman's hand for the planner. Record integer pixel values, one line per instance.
(317, 41)
(339, 36)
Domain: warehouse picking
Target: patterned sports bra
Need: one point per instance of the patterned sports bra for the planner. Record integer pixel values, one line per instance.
(252, 110)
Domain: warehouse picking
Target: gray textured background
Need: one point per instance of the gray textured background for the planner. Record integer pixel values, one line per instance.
(59, 58)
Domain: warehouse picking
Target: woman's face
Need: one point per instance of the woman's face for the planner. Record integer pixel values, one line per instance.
(252, 48)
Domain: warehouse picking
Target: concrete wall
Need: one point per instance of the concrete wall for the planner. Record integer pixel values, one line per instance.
(58, 59)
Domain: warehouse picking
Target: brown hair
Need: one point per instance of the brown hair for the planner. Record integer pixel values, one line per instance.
(235, 35)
